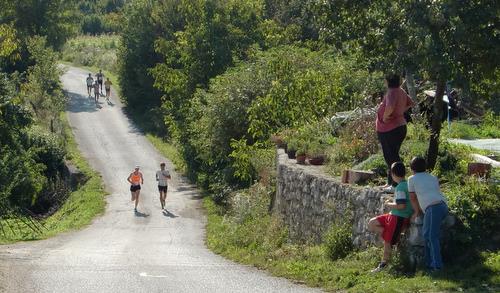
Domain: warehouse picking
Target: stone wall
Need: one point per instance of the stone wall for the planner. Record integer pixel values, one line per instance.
(310, 201)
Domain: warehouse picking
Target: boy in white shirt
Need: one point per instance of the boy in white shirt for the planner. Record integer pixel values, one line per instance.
(162, 176)
(426, 197)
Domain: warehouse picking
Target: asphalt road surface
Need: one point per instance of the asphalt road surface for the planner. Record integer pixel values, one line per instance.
(123, 251)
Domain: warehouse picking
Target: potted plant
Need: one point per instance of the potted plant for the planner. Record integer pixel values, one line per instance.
(300, 156)
(316, 154)
(292, 147)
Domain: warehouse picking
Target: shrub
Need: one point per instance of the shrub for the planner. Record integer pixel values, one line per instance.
(477, 206)
(338, 241)
(47, 149)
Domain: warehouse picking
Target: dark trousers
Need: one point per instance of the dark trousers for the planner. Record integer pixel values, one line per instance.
(391, 142)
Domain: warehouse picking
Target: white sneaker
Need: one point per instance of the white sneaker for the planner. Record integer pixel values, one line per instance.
(381, 266)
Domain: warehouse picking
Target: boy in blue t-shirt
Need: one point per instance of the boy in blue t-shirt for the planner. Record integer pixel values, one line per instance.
(389, 226)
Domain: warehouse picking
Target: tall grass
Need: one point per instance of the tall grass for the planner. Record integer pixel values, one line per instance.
(93, 51)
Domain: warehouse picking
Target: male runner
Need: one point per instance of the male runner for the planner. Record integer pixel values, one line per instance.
(107, 86)
(135, 179)
(90, 84)
(96, 92)
(100, 78)
(161, 176)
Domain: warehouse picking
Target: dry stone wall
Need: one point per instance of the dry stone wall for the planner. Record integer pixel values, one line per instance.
(310, 201)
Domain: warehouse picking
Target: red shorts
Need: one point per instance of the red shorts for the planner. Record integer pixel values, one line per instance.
(393, 226)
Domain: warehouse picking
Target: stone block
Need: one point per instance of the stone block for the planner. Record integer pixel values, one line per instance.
(356, 176)
(73, 176)
(479, 169)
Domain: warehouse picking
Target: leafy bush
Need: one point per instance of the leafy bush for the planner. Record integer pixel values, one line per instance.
(93, 51)
(338, 241)
(477, 206)
(46, 148)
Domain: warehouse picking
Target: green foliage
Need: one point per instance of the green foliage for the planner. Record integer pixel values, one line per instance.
(488, 128)
(100, 17)
(307, 86)
(53, 19)
(99, 51)
(477, 206)
(247, 224)
(338, 241)
(42, 91)
(77, 211)
(136, 56)
(46, 148)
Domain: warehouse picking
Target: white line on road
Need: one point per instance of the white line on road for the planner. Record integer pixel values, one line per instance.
(144, 274)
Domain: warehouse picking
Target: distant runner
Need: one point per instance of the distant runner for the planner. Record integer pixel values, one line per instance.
(96, 92)
(107, 86)
(162, 176)
(100, 78)
(135, 179)
(90, 84)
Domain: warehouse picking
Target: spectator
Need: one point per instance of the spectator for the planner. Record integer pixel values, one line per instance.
(426, 196)
(391, 124)
(389, 226)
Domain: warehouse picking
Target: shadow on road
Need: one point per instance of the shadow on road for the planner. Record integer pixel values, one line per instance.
(168, 214)
(78, 103)
(141, 215)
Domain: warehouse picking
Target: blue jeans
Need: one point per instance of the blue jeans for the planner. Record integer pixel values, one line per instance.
(433, 217)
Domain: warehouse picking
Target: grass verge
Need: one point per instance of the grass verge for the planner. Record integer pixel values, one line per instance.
(168, 150)
(78, 210)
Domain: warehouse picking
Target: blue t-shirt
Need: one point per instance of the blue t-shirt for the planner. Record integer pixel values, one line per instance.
(402, 196)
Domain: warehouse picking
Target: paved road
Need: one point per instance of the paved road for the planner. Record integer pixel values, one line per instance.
(121, 251)
(491, 144)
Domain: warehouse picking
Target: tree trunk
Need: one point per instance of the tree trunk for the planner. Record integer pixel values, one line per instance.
(437, 115)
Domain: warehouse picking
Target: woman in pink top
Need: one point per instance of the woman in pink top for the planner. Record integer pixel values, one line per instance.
(390, 123)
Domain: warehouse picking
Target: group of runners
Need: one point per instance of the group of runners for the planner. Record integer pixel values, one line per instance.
(136, 180)
(96, 86)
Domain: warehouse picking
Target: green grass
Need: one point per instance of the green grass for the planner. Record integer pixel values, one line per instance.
(168, 150)
(488, 128)
(259, 241)
(79, 209)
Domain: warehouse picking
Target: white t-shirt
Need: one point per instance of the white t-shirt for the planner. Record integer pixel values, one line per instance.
(162, 176)
(426, 187)
(90, 81)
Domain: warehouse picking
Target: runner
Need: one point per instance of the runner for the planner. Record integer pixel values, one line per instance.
(96, 92)
(135, 179)
(100, 78)
(90, 84)
(161, 176)
(107, 86)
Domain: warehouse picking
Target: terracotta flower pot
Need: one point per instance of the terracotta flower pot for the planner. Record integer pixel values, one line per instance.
(320, 160)
(301, 159)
